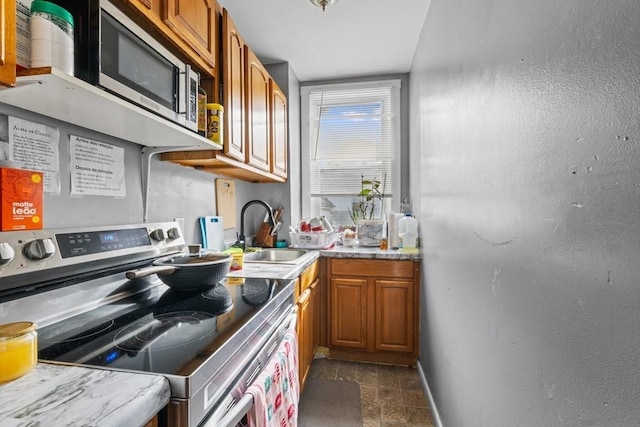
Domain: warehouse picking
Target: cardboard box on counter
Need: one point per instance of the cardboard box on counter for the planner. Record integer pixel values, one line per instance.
(21, 199)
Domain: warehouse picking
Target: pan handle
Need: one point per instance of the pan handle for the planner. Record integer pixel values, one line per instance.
(148, 271)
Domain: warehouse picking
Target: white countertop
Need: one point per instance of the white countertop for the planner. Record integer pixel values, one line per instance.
(339, 251)
(59, 395)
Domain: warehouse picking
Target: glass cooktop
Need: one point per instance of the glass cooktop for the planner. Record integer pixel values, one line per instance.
(158, 330)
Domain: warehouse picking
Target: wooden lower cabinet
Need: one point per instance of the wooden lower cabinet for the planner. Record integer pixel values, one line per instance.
(153, 422)
(373, 310)
(308, 327)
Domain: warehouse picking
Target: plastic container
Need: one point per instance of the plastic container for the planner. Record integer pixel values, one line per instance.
(312, 239)
(214, 129)
(202, 112)
(51, 29)
(408, 232)
(237, 255)
(18, 349)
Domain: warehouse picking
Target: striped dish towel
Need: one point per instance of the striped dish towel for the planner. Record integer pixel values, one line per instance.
(276, 390)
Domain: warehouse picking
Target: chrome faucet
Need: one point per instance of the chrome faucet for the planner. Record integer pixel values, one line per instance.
(241, 239)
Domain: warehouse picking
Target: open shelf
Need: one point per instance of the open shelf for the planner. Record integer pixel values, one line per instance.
(52, 93)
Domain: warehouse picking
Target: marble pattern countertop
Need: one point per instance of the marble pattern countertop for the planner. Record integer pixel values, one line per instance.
(74, 396)
(294, 269)
(340, 251)
(70, 395)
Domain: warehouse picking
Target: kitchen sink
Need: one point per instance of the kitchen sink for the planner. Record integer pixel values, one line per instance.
(286, 256)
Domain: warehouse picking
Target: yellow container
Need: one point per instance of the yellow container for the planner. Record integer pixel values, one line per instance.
(18, 349)
(215, 125)
(237, 255)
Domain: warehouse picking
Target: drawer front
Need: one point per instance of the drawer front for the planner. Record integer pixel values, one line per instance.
(371, 268)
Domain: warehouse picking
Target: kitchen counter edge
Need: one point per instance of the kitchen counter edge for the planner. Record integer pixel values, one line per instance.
(74, 395)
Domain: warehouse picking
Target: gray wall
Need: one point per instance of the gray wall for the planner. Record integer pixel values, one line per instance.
(526, 169)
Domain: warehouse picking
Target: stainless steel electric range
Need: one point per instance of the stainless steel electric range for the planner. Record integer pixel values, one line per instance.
(209, 344)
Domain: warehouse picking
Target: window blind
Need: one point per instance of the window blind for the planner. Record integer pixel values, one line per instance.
(352, 134)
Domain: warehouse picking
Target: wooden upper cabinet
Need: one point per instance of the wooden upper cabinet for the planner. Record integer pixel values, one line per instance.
(8, 43)
(279, 127)
(258, 101)
(233, 94)
(189, 26)
(195, 22)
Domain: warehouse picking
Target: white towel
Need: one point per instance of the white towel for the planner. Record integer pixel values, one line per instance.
(276, 391)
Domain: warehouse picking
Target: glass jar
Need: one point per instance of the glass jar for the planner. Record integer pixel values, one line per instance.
(51, 29)
(384, 245)
(18, 349)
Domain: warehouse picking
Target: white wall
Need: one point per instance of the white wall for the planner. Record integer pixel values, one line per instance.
(525, 147)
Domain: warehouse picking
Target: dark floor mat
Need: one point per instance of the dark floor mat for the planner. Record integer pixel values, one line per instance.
(330, 403)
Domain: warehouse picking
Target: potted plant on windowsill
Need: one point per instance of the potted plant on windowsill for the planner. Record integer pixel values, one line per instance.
(369, 227)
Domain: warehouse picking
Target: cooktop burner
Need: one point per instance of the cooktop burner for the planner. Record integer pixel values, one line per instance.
(160, 332)
(165, 332)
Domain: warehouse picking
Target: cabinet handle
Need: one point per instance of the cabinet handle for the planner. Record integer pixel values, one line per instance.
(305, 296)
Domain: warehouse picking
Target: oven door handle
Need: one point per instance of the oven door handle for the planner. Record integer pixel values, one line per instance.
(238, 410)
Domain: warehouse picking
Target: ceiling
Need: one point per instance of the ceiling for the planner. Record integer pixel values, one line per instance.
(351, 38)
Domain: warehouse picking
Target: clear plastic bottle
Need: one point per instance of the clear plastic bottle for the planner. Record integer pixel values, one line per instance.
(408, 233)
(51, 29)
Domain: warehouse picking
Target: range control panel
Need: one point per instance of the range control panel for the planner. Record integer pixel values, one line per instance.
(40, 251)
(93, 242)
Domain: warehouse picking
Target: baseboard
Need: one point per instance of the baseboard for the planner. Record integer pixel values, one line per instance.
(432, 404)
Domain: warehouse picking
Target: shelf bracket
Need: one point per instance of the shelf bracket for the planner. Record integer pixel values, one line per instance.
(147, 154)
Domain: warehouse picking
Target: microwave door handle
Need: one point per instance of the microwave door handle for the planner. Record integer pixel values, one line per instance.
(189, 75)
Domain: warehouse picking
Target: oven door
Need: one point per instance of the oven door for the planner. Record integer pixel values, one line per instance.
(235, 405)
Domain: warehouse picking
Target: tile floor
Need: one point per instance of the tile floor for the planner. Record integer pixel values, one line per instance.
(391, 396)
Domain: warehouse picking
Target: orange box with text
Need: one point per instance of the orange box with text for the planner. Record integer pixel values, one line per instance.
(22, 199)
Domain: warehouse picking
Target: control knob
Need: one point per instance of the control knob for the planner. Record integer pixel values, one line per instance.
(173, 233)
(158, 234)
(6, 253)
(40, 249)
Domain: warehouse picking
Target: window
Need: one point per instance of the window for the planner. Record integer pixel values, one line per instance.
(350, 132)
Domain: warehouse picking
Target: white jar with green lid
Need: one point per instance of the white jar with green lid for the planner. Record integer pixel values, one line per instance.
(51, 36)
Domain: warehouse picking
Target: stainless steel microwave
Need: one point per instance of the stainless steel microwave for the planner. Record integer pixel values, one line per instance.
(114, 53)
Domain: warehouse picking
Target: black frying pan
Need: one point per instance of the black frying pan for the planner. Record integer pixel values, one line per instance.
(187, 273)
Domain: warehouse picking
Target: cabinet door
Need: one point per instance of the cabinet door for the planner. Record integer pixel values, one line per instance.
(304, 334)
(258, 129)
(143, 5)
(233, 89)
(7, 42)
(394, 316)
(315, 319)
(348, 322)
(279, 131)
(194, 21)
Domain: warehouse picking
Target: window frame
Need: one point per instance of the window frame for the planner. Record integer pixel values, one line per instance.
(309, 205)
